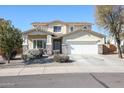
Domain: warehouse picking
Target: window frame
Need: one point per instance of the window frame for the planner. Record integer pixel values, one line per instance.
(57, 29)
(43, 44)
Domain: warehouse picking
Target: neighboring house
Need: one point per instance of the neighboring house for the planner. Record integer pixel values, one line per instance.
(68, 37)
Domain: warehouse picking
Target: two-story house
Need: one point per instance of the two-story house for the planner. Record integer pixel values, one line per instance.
(68, 37)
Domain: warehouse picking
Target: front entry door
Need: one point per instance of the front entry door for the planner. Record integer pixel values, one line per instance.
(57, 44)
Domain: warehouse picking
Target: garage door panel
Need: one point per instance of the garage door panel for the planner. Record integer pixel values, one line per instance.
(83, 48)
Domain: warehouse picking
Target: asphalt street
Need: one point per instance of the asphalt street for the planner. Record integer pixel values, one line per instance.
(80, 80)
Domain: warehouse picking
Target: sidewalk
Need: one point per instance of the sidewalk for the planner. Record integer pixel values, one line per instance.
(59, 70)
(82, 64)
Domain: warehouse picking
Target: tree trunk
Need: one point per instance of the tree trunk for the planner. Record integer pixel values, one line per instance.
(119, 48)
(9, 55)
(8, 59)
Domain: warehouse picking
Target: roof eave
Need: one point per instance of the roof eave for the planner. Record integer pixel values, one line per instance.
(39, 30)
(96, 33)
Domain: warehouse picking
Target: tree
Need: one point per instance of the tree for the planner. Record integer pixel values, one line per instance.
(10, 38)
(110, 17)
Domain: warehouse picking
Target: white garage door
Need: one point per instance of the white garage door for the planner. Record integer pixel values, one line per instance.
(83, 48)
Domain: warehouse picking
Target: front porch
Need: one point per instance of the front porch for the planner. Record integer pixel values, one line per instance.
(45, 40)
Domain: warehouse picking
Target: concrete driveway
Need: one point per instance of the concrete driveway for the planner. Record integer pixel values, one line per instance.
(98, 60)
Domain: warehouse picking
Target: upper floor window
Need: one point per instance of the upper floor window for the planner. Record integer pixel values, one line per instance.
(71, 29)
(57, 28)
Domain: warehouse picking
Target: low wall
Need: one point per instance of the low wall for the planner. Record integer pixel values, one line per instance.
(19, 51)
(106, 48)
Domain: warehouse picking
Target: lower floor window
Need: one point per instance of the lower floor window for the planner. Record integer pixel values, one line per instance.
(39, 43)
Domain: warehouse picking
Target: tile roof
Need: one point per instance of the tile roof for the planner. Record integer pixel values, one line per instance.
(92, 32)
(38, 30)
(59, 21)
(63, 35)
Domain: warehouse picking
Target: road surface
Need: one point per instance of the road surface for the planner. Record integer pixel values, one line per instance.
(75, 80)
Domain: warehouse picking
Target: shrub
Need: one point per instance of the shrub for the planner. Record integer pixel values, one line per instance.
(61, 58)
(32, 54)
(56, 51)
(27, 57)
(35, 52)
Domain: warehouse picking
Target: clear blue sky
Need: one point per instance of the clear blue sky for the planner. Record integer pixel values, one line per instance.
(23, 16)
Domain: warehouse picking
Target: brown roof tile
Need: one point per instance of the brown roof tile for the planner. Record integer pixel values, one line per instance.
(59, 21)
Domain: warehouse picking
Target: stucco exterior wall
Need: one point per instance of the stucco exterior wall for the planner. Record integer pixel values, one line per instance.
(65, 28)
(77, 27)
(82, 36)
(31, 37)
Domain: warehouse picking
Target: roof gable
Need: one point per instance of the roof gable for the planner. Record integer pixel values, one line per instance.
(88, 31)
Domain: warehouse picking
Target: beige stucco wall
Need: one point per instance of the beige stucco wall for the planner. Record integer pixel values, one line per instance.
(83, 36)
(77, 27)
(65, 28)
(31, 37)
